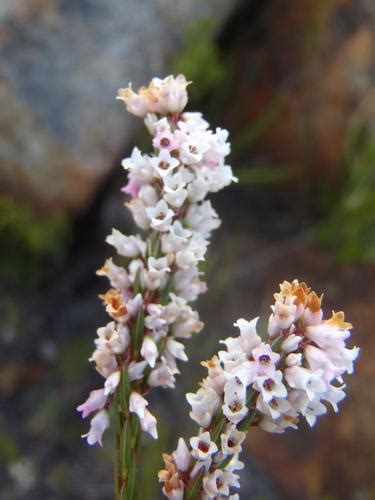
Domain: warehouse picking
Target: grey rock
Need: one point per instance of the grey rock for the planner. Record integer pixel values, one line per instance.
(61, 63)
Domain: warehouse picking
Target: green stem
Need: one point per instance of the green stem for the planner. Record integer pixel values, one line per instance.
(128, 436)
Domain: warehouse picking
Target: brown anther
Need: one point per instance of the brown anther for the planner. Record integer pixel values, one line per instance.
(165, 142)
(273, 403)
(203, 446)
(269, 384)
(264, 359)
(235, 406)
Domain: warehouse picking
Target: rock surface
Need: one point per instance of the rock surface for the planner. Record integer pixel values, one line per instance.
(61, 63)
(309, 69)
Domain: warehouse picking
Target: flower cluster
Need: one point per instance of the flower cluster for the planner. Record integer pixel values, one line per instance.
(148, 301)
(270, 383)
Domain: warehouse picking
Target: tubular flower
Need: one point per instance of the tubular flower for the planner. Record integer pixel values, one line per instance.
(268, 383)
(157, 274)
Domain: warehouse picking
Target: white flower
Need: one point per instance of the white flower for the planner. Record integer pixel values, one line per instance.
(174, 192)
(182, 456)
(202, 218)
(118, 276)
(148, 195)
(105, 362)
(204, 404)
(318, 360)
(191, 122)
(175, 239)
(176, 349)
(301, 378)
(231, 440)
(114, 337)
(149, 351)
(234, 407)
(271, 386)
(284, 313)
(173, 94)
(264, 359)
(291, 343)
(148, 424)
(139, 168)
(136, 369)
(202, 446)
(157, 271)
(334, 395)
(164, 163)
(192, 147)
(98, 425)
(137, 104)
(137, 404)
(294, 359)
(273, 408)
(249, 339)
(217, 483)
(138, 210)
(112, 382)
(127, 246)
(161, 376)
(160, 216)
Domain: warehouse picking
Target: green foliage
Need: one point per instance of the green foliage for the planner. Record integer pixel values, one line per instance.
(9, 451)
(350, 228)
(250, 134)
(151, 460)
(264, 174)
(28, 242)
(200, 60)
(37, 236)
(69, 362)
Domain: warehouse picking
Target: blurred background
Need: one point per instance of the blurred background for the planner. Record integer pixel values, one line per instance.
(294, 83)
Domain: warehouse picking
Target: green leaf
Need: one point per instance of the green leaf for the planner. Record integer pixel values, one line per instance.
(138, 333)
(164, 296)
(137, 282)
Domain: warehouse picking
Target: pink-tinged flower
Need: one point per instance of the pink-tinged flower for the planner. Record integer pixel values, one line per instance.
(95, 401)
(264, 360)
(97, 427)
(165, 140)
(132, 188)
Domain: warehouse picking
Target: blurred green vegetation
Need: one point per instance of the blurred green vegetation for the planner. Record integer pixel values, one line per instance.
(349, 229)
(29, 242)
(9, 450)
(210, 71)
(201, 61)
